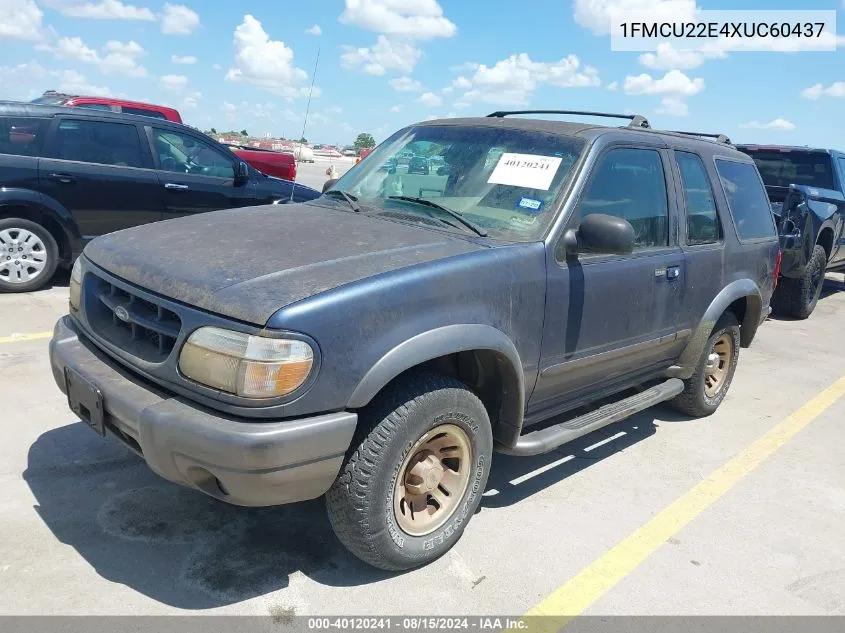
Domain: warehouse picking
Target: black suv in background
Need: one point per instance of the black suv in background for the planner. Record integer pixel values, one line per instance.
(69, 175)
(378, 343)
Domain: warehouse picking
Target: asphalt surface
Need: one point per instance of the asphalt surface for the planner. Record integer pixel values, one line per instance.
(88, 529)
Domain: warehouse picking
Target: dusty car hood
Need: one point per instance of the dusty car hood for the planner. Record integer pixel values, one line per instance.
(248, 263)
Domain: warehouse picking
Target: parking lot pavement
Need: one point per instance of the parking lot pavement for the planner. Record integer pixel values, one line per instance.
(314, 174)
(88, 529)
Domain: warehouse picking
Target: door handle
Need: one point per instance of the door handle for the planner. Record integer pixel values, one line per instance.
(62, 178)
(175, 186)
(673, 272)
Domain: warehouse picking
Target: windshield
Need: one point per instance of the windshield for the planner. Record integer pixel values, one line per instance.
(784, 168)
(504, 181)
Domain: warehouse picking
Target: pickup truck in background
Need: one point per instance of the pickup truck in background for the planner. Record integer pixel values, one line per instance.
(53, 98)
(806, 187)
(270, 162)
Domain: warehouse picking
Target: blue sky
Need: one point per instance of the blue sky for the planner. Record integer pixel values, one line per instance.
(386, 63)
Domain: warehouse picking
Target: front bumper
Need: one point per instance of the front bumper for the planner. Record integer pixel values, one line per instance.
(232, 459)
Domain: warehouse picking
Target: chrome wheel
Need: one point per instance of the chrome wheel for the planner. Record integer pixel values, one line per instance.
(23, 256)
(432, 480)
(718, 365)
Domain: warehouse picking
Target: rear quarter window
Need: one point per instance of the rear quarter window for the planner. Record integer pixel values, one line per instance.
(22, 136)
(747, 200)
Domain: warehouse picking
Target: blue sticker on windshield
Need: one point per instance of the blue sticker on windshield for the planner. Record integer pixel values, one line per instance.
(530, 204)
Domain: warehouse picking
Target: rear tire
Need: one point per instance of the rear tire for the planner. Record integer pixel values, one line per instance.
(415, 477)
(28, 255)
(708, 386)
(798, 297)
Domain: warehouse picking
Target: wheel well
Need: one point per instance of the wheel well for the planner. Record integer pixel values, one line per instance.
(739, 309)
(492, 378)
(826, 240)
(44, 219)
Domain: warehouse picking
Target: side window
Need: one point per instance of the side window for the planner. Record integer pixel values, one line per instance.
(96, 106)
(22, 136)
(702, 220)
(747, 199)
(184, 154)
(99, 142)
(630, 184)
(142, 112)
(841, 162)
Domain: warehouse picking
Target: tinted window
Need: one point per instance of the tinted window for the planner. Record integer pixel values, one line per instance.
(629, 183)
(99, 142)
(95, 106)
(702, 219)
(21, 136)
(789, 167)
(747, 200)
(142, 112)
(841, 169)
(185, 154)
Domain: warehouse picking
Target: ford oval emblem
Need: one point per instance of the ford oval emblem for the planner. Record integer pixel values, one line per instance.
(122, 313)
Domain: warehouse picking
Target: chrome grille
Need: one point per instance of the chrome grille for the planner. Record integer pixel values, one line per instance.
(138, 326)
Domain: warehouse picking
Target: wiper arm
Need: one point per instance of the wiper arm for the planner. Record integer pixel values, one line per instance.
(352, 200)
(428, 203)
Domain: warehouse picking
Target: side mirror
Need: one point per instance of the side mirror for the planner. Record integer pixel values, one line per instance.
(241, 173)
(329, 184)
(600, 234)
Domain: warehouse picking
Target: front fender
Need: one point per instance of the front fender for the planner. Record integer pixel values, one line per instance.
(739, 289)
(443, 341)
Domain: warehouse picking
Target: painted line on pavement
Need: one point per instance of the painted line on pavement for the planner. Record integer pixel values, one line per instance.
(19, 338)
(580, 592)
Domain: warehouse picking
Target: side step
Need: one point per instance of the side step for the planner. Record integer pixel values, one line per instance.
(548, 439)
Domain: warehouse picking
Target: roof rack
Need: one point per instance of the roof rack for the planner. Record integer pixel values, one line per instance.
(636, 120)
(720, 138)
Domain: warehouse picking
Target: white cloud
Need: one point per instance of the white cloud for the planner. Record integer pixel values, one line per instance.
(266, 63)
(183, 59)
(836, 89)
(431, 117)
(73, 82)
(173, 82)
(595, 15)
(419, 19)
(314, 30)
(431, 100)
(386, 54)
(666, 57)
(511, 81)
(26, 81)
(217, 67)
(406, 84)
(115, 58)
(469, 67)
(672, 83)
(672, 107)
(335, 110)
(20, 20)
(396, 108)
(613, 86)
(177, 19)
(462, 83)
(101, 10)
(776, 124)
(229, 109)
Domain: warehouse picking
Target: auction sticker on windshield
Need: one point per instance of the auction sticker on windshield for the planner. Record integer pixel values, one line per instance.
(525, 170)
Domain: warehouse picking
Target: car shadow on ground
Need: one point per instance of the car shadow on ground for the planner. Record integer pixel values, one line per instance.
(830, 287)
(184, 549)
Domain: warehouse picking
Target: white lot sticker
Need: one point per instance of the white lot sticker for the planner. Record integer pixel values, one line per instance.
(525, 170)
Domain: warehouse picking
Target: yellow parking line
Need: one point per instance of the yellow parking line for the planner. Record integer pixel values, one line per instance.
(577, 594)
(17, 338)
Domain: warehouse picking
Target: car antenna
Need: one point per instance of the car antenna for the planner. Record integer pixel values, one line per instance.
(305, 122)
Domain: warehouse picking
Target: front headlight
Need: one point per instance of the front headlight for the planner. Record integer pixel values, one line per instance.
(244, 365)
(75, 285)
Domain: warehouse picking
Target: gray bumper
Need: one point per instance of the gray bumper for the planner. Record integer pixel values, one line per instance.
(237, 461)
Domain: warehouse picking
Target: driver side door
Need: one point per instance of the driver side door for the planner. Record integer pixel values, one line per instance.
(194, 175)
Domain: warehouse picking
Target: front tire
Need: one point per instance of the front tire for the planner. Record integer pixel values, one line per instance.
(28, 255)
(411, 484)
(798, 297)
(708, 386)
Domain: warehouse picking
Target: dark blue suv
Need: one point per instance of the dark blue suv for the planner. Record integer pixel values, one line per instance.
(377, 344)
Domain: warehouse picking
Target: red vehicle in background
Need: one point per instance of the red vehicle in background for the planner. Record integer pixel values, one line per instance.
(51, 97)
(270, 162)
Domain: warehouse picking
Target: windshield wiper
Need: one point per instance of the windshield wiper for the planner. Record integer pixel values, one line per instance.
(428, 203)
(352, 200)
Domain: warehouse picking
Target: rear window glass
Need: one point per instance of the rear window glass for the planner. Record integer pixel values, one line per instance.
(747, 200)
(142, 112)
(22, 136)
(100, 142)
(784, 168)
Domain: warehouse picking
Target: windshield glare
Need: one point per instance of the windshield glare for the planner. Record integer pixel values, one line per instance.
(503, 180)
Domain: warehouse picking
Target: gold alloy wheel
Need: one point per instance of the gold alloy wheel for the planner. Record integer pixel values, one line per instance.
(432, 480)
(718, 364)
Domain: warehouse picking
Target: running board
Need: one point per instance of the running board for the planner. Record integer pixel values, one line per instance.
(548, 439)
